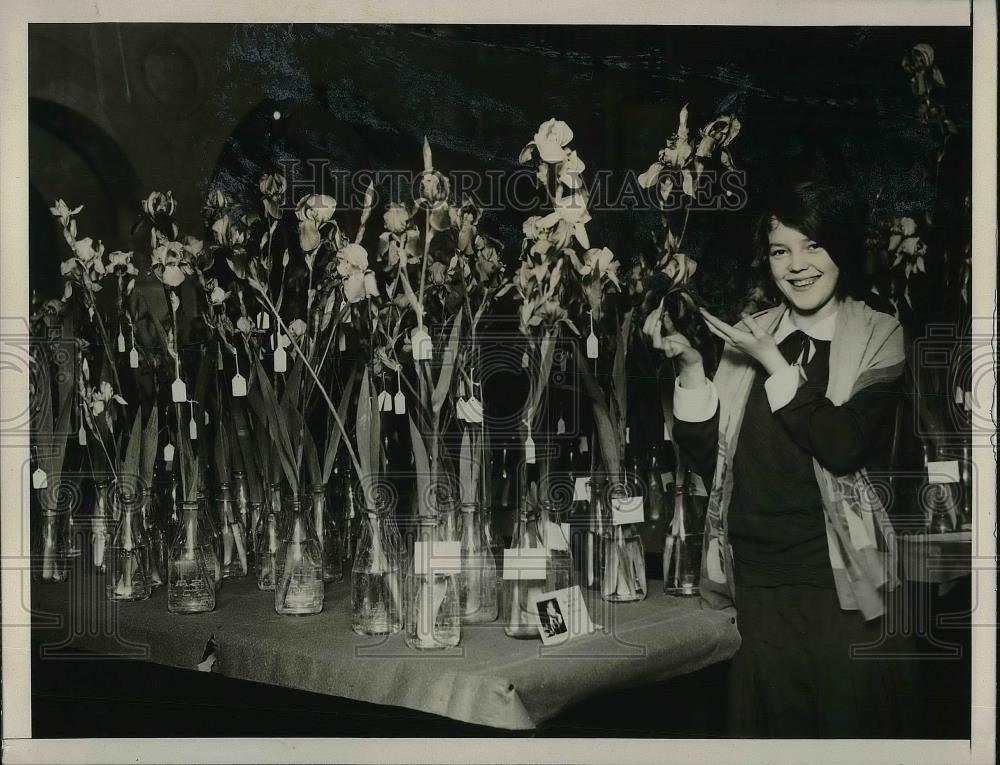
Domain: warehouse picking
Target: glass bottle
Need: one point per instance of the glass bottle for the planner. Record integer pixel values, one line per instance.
(624, 577)
(128, 553)
(214, 535)
(965, 476)
(151, 503)
(298, 572)
(598, 517)
(241, 496)
(51, 564)
(234, 550)
(74, 529)
(656, 501)
(376, 580)
(100, 527)
(682, 544)
(267, 540)
(520, 617)
(478, 580)
(559, 558)
(191, 571)
(328, 533)
(433, 618)
(351, 517)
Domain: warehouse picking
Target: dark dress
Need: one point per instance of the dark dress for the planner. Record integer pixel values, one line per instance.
(794, 675)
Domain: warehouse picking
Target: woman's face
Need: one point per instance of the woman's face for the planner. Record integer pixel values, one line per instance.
(803, 271)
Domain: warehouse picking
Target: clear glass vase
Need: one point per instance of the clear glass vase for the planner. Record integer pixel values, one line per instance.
(298, 572)
(51, 562)
(266, 542)
(330, 541)
(215, 536)
(559, 557)
(376, 576)
(191, 571)
(624, 576)
(244, 511)
(433, 620)
(683, 544)
(597, 518)
(520, 617)
(478, 580)
(152, 523)
(234, 536)
(128, 553)
(100, 526)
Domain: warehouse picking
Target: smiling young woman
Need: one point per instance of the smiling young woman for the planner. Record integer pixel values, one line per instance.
(796, 537)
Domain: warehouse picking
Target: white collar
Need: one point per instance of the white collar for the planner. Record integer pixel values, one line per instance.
(821, 330)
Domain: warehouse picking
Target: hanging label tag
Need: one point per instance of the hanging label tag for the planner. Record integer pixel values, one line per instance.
(178, 391)
(526, 563)
(959, 396)
(461, 409)
(560, 426)
(168, 453)
(592, 346)
(283, 340)
(206, 417)
(524, 360)
(280, 360)
(584, 446)
(193, 429)
(423, 349)
(39, 479)
(239, 385)
(628, 436)
(399, 403)
(263, 320)
(626, 510)
(967, 400)
(666, 479)
(581, 489)
(436, 557)
(529, 450)
(474, 410)
(385, 401)
(698, 486)
(133, 358)
(556, 536)
(121, 342)
(943, 472)
(342, 342)
(81, 436)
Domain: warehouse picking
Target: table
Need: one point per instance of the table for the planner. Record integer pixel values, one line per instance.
(940, 559)
(489, 679)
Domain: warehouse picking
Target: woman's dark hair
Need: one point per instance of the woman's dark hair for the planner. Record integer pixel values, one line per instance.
(828, 214)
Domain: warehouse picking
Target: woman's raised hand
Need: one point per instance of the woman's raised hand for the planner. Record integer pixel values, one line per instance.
(754, 341)
(674, 345)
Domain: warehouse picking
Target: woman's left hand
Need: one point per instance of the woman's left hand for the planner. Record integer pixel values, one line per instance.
(757, 343)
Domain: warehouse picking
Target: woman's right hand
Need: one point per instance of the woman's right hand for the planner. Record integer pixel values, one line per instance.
(665, 337)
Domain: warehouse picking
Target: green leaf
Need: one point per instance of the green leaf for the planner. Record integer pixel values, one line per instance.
(608, 441)
(277, 428)
(133, 452)
(422, 465)
(150, 444)
(333, 442)
(447, 371)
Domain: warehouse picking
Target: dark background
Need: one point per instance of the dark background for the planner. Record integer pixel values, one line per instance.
(118, 110)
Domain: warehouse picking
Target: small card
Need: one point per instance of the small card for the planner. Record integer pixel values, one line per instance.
(556, 535)
(239, 385)
(667, 479)
(399, 403)
(342, 342)
(474, 411)
(81, 436)
(461, 409)
(526, 563)
(280, 360)
(584, 446)
(943, 472)
(592, 346)
(385, 401)
(423, 349)
(581, 489)
(133, 358)
(626, 510)
(39, 479)
(193, 429)
(207, 420)
(437, 557)
(524, 360)
(168, 453)
(560, 426)
(698, 486)
(562, 615)
(178, 391)
(121, 342)
(529, 450)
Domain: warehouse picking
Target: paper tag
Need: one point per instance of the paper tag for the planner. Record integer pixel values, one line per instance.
(461, 407)
(562, 615)
(168, 453)
(584, 446)
(263, 320)
(529, 450)
(206, 417)
(666, 479)
(959, 395)
(342, 342)
(626, 510)
(133, 358)
(527, 563)
(39, 479)
(193, 429)
(385, 401)
(581, 489)
(716, 571)
(178, 391)
(423, 349)
(592, 346)
(283, 341)
(239, 385)
(81, 436)
(474, 410)
(121, 342)
(628, 435)
(967, 401)
(698, 486)
(399, 403)
(556, 535)
(436, 557)
(943, 472)
(280, 360)
(560, 426)
(524, 360)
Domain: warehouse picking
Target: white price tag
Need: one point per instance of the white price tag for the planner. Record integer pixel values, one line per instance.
(556, 535)
(461, 409)
(592, 346)
(437, 557)
(474, 410)
(280, 360)
(385, 401)
(584, 446)
(39, 479)
(239, 385)
(527, 563)
(81, 436)
(943, 472)
(263, 320)
(698, 486)
(581, 489)
(121, 342)
(342, 342)
(959, 395)
(168, 453)
(399, 403)
(626, 510)
(178, 391)
(206, 417)
(423, 349)
(666, 479)
(560, 426)
(529, 450)
(193, 429)
(133, 358)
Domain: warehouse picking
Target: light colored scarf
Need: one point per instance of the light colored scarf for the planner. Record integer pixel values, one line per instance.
(867, 348)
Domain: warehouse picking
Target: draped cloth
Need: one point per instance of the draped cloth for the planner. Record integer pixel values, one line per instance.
(867, 349)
